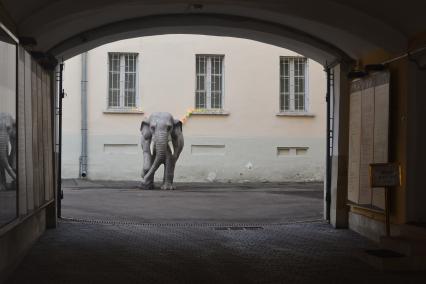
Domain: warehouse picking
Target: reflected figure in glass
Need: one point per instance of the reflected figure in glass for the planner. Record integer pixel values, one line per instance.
(8, 131)
(7, 152)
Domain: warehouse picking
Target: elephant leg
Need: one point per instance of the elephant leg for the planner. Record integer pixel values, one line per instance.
(169, 172)
(2, 179)
(11, 172)
(4, 164)
(164, 175)
(148, 183)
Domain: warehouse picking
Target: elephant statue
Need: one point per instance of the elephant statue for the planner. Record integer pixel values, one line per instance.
(7, 149)
(162, 143)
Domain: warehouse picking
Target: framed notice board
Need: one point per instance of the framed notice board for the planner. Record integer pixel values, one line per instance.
(368, 136)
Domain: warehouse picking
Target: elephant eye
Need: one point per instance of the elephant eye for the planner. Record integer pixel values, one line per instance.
(169, 127)
(152, 128)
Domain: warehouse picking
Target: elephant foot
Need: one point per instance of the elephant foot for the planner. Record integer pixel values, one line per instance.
(147, 186)
(168, 186)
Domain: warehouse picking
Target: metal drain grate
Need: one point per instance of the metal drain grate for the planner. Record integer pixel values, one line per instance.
(235, 228)
(216, 226)
(384, 253)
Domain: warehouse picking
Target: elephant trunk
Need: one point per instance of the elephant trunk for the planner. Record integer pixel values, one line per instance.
(160, 149)
(12, 155)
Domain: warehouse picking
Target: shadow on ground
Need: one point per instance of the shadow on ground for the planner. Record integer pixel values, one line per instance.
(295, 253)
(267, 233)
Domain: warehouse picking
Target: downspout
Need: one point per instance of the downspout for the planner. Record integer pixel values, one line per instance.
(83, 156)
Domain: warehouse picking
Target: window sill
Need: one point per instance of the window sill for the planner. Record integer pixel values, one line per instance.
(123, 111)
(210, 112)
(297, 114)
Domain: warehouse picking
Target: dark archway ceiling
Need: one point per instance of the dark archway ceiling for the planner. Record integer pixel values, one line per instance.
(325, 30)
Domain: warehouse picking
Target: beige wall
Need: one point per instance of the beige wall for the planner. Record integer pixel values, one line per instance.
(250, 133)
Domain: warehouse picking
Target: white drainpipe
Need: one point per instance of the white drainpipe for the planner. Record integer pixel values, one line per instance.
(83, 156)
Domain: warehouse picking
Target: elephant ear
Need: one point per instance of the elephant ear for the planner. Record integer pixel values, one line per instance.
(145, 128)
(177, 127)
(177, 137)
(146, 135)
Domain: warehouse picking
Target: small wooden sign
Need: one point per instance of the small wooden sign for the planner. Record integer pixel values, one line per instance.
(385, 175)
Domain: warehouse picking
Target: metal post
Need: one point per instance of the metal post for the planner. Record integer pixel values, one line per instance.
(387, 211)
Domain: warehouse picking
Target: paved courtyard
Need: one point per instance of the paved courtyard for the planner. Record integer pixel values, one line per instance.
(116, 243)
(194, 203)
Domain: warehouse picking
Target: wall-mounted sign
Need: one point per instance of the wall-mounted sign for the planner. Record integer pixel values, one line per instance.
(385, 174)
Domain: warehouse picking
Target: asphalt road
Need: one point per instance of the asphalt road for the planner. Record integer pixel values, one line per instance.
(263, 203)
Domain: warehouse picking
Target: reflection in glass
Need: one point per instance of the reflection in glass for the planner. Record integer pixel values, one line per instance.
(7, 132)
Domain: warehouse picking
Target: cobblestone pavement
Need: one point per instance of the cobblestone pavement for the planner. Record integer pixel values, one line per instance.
(200, 233)
(79, 252)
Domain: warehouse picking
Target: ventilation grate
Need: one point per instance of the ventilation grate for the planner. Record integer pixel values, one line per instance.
(235, 228)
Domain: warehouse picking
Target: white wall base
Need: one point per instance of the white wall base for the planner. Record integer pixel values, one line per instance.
(204, 159)
(367, 227)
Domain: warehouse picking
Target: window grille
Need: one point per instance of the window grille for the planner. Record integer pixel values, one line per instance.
(122, 80)
(293, 78)
(209, 82)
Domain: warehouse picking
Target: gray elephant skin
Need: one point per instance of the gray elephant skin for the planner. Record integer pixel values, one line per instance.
(162, 143)
(7, 155)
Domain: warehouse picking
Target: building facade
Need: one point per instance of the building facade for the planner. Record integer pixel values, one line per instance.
(250, 111)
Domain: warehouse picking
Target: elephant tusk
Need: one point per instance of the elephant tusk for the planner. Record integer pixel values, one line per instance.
(171, 147)
(151, 148)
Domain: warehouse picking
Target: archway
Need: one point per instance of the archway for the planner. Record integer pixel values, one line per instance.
(250, 138)
(373, 33)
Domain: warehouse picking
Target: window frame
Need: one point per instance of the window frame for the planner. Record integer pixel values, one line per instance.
(207, 82)
(7, 37)
(122, 107)
(292, 94)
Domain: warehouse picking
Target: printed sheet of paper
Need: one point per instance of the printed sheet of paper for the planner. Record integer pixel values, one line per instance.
(354, 146)
(367, 145)
(381, 136)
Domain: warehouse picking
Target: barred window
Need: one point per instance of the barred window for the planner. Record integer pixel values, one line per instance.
(209, 82)
(122, 80)
(293, 77)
